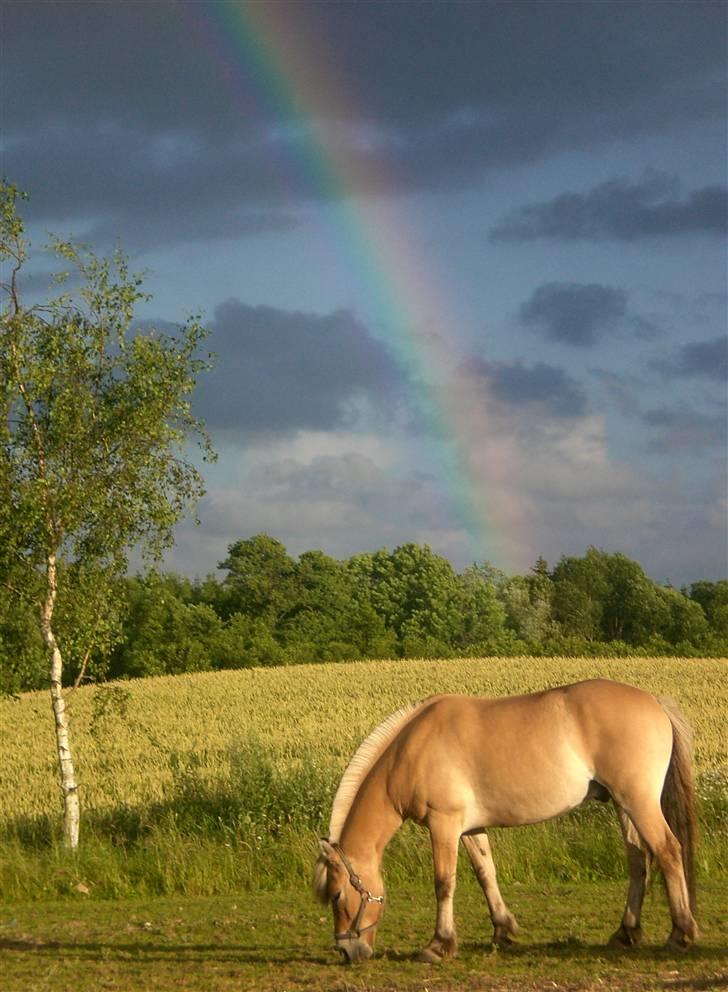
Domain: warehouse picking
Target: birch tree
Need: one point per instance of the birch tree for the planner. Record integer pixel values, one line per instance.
(95, 430)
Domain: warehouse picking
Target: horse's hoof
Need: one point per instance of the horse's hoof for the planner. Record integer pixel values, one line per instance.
(503, 946)
(626, 937)
(428, 956)
(502, 940)
(439, 949)
(679, 941)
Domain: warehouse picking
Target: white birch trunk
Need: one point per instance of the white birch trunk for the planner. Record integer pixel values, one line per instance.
(71, 809)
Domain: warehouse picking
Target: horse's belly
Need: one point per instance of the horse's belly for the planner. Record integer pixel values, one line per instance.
(516, 801)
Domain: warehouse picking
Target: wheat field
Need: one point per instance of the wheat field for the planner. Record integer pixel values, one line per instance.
(131, 739)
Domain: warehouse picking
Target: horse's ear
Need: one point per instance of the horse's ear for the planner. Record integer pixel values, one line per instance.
(328, 871)
(327, 850)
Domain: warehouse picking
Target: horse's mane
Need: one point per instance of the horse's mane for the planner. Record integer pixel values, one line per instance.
(366, 754)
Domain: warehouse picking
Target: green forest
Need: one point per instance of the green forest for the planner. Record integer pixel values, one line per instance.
(270, 608)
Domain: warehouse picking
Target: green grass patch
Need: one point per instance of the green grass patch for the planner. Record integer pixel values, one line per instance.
(279, 941)
(256, 830)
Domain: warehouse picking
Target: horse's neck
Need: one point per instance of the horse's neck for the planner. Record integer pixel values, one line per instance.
(372, 821)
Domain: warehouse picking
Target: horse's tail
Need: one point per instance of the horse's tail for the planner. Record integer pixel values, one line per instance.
(678, 799)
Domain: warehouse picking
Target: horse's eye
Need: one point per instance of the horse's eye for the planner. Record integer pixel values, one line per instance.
(337, 895)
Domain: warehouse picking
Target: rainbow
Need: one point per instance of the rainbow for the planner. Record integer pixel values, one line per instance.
(267, 54)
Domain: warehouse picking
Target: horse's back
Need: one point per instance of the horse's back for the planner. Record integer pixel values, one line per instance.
(598, 706)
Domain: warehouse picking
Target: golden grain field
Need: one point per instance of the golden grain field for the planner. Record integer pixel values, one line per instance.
(126, 742)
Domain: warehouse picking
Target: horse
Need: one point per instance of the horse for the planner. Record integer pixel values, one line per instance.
(458, 765)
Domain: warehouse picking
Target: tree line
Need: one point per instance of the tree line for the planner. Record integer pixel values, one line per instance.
(270, 608)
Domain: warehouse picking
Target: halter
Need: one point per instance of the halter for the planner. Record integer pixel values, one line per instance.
(355, 931)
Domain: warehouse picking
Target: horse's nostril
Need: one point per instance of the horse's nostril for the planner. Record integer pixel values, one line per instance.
(345, 952)
(354, 951)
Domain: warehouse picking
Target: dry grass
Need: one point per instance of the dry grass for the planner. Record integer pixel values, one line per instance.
(131, 739)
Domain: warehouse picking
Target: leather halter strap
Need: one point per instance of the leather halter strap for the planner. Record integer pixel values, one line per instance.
(355, 931)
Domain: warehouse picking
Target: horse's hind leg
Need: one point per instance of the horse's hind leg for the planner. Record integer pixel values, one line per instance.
(638, 860)
(504, 922)
(662, 843)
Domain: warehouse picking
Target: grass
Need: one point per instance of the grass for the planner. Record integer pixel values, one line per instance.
(219, 783)
(202, 799)
(281, 942)
(135, 741)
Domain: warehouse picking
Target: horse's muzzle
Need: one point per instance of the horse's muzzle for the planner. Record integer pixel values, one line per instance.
(354, 949)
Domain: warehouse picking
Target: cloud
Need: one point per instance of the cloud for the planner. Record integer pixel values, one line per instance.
(680, 430)
(151, 71)
(698, 359)
(347, 492)
(112, 181)
(574, 313)
(133, 115)
(542, 384)
(279, 371)
(541, 388)
(340, 491)
(620, 210)
(152, 230)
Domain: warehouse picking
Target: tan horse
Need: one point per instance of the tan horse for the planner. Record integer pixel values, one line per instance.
(460, 764)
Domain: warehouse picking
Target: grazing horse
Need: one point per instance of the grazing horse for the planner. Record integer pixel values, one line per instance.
(460, 764)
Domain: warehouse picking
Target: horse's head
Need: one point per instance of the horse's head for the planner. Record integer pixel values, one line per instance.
(356, 909)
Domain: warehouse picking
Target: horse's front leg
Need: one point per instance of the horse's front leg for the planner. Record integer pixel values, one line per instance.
(444, 834)
(504, 922)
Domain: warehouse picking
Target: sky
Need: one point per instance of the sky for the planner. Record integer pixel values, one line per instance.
(463, 264)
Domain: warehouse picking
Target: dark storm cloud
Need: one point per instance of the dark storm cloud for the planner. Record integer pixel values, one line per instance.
(277, 371)
(701, 359)
(160, 106)
(620, 210)
(541, 385)
(574, 313)
(211, 224)
(110, 182)
(162, 65)
(681, 430)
